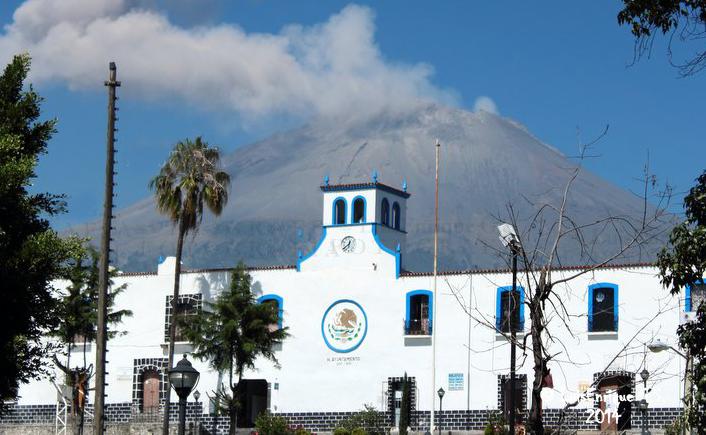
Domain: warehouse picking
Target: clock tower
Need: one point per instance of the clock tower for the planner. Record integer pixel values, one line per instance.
(363, 228)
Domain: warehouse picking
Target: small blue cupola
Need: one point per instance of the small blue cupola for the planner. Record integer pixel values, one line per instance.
(372, 203)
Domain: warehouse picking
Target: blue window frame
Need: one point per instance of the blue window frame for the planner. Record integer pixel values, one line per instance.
(603, 307)
(339, 211)
(396, 215)
(280, 309)
(358, 210)
(503, 295)
(419, 313)
(385, 212)
(688, 300)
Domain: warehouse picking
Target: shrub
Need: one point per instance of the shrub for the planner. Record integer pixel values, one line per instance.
(676, 427)
(268, 424)
(496, 424)
(368, 421)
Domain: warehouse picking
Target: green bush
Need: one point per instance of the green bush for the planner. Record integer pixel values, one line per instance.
(496, 424)
(676, 427)
(368, 421)
(268, 424)
(341, 431)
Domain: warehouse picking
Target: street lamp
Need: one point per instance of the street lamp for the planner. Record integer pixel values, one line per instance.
(644, 374)
(642, 404)
(441, 393)
(509, 238)
(183, 378)
(659, 346)
(199, 409)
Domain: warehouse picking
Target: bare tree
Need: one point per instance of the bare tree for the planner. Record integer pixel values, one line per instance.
(544, 236)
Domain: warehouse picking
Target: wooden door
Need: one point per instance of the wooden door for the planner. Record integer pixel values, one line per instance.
(609, 406)
(150, 391)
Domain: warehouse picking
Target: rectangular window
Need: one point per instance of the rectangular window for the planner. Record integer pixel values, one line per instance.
(187, 305)
(418, 321)
(506, 305)
(603, 309)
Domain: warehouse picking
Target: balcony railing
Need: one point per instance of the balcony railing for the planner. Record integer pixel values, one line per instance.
(417, 327)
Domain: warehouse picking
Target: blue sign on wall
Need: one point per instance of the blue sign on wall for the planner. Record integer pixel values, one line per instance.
(456, 382)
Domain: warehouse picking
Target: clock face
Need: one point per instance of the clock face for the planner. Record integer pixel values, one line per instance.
(348, 244)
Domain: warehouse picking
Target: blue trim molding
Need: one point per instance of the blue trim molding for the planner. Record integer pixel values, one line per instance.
(498, 306)
(594, 287)
(430, 313)
(333, 211)
(365, 210)
(397, 254)
(687, 299)
(301, 259)
(280, 305)
(688, 305)
(323, 326)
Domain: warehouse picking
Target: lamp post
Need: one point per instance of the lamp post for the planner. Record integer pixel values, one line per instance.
(199, 410)
(643, 408)
(441, 393)
(509, 238)
(183, 378)
(659, 346)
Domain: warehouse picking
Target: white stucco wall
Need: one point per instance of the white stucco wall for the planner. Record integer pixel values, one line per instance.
(313, 377)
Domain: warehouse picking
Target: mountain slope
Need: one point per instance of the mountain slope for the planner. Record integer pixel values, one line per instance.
(487, 162)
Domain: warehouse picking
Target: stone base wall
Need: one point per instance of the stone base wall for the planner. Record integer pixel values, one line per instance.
(125, 415)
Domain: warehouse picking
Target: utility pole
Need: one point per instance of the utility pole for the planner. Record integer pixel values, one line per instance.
(434, 300)
(103, 279)
(514, 302)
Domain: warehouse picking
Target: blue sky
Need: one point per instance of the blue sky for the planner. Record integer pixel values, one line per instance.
(555, 67)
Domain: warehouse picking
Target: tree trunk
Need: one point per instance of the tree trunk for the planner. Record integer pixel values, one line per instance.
(172, 326)
(535, 417)
(234, 404)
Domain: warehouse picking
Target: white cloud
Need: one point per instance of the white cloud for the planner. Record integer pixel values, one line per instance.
(485, 104)
(332, 68)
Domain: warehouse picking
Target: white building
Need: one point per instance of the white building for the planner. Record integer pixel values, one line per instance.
(359, 321)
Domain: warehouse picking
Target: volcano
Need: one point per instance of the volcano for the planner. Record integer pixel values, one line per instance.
(487, 163)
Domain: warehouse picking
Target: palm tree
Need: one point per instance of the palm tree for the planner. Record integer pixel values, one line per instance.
(190, 178)
(232, 333)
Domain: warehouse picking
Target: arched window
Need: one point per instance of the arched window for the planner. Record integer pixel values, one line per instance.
(385, 212)
(358, 210)
(603, 307)
(396, 216)
(339, 211)
(276, 303)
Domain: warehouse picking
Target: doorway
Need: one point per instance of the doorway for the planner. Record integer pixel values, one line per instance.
(150, 391)
(253, 395)
(617, 410)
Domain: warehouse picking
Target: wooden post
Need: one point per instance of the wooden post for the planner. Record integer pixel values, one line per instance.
(103, 279)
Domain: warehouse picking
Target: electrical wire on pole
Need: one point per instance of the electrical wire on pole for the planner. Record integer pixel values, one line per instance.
(103, 279)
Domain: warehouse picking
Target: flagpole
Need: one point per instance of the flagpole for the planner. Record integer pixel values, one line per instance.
(435, 301)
